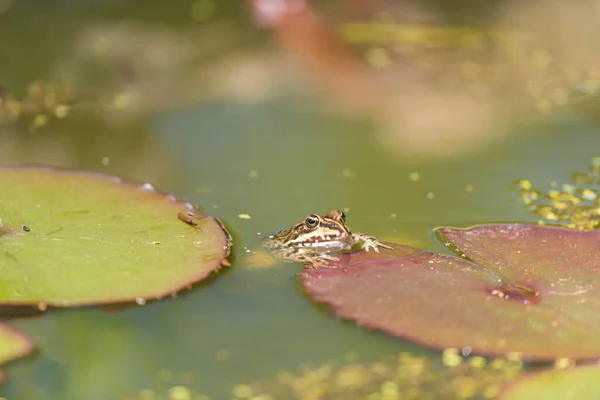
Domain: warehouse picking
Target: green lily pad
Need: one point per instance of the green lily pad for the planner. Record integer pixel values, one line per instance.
(575, 384)
(72, 238)
(518, 288)
(13, 345)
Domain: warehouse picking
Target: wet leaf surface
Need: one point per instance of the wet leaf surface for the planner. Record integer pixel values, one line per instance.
(516, 288)
(74, 238)
(575, 384)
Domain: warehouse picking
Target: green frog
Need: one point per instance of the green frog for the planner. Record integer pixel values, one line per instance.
(319, 239)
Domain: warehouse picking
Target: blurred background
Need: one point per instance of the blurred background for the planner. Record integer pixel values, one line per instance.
(406, 114)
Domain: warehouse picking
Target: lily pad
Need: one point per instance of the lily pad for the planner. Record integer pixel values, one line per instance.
(72, 238)
(13, 345)
(575, 384)
(518, 288)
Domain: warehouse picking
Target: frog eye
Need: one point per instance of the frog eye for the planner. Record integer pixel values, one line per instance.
(343, 217)
(312, 221)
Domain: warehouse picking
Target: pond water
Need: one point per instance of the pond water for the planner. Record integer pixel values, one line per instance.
(241, 140)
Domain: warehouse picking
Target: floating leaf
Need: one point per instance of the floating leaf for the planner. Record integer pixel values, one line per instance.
(576, 384)
(71, 238)
(517, 288)
(13, 345)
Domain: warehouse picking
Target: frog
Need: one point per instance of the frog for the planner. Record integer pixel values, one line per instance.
(319, 240)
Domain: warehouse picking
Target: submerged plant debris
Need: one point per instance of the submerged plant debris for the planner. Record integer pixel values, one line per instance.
(49, 101)
(479, 59)
(574, 204)
(43, 101)
(404, 376)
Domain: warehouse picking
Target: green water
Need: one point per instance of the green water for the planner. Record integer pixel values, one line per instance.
(247, 324)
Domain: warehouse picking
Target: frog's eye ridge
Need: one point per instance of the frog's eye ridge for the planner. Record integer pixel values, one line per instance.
(312, 221)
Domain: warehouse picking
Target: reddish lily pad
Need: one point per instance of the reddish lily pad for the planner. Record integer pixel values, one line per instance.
(575, 384)
(72, 238)
(519, 288)
(13, 345)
